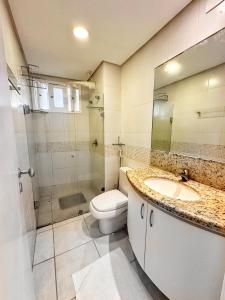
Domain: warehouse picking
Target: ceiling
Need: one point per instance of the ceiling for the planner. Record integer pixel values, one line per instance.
(117, 29)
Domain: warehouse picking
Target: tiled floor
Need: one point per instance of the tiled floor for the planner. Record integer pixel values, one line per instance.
(50, 211)
(71, 245)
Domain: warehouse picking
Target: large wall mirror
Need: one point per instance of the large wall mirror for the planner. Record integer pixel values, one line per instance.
(189, 102)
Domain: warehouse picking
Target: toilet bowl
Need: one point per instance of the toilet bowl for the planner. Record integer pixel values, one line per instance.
(110, 208)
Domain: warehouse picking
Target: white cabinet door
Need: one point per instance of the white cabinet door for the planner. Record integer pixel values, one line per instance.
(137, 216)
(184, 261)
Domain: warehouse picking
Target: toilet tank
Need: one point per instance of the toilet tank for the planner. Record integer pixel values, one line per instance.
(123, 180)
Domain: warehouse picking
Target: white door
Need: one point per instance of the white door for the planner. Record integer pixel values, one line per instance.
(136, 222)
(184, 261)
(16, 281)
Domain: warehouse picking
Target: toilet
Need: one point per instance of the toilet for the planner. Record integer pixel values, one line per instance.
(110, 208)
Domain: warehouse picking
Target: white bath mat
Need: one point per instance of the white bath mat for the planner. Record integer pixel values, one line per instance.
(111, 277)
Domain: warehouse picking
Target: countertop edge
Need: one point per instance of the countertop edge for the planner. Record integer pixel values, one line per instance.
(167, 209)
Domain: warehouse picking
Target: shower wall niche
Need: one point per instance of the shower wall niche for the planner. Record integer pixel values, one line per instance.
(68, 130)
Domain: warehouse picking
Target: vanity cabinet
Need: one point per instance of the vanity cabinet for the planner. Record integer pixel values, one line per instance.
(184, 261)
(136, 220)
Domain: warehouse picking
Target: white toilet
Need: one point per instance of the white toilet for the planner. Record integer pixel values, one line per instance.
(110, 208)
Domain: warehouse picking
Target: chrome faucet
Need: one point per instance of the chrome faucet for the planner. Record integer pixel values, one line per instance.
(184, 175)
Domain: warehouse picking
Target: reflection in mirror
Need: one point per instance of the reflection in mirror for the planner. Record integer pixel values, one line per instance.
(189, 102)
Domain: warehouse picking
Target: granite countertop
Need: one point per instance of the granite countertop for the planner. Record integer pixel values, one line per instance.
(208, 212)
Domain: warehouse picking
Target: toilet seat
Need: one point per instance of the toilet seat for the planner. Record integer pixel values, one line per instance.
(110, 200)
(109, 204)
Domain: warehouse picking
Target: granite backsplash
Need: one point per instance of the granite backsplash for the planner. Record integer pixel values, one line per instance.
(208, 172)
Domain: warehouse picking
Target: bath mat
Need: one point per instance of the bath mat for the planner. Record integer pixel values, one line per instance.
(111, 277)
(71, 200)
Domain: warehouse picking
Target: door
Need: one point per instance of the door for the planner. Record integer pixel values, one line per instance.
(137, 216)
(16, 271)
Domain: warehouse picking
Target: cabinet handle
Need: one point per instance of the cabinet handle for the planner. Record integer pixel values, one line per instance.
(150, 218)
(141, 212)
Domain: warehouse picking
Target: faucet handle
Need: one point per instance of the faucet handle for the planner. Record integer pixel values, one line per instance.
(184, 174)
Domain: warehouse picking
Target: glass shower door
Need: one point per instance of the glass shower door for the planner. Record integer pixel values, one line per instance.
(96, 121)
(162, 125)
(69, 154)
(89, 124)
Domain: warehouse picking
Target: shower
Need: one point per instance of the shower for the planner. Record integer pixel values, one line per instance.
(69, 169)
(162, 121)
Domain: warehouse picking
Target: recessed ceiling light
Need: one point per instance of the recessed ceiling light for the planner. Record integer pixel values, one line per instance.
(80, 33)
(172, 67)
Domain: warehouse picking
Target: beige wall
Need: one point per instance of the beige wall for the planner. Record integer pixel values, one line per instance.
(13, 54)
(137, 76)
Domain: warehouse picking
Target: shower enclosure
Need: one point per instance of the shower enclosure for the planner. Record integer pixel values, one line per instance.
(68, 132)
(162, 123)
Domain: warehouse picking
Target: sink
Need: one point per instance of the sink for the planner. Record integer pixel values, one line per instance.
(172, 189)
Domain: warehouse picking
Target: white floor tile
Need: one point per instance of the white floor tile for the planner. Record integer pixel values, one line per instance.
(45, 228)
(110, 277)
(44, 278)
(70, 262)
(44, 247)
(66, 221)
(62, 215)
(70, 235)
(113, 241)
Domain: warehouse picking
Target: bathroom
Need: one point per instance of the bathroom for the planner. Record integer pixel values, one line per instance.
(112, 141)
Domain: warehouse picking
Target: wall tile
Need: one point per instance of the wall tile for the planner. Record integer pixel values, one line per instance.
(56, 122)
(112, 96)
(111, 75)
(112, 121)
(59, 160)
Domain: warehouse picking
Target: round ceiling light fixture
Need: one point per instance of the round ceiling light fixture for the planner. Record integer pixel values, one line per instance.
(80, 33)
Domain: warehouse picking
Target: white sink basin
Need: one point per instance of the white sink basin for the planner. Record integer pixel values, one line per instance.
(172, 189)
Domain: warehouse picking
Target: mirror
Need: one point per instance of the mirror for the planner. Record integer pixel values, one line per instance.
(189, 102)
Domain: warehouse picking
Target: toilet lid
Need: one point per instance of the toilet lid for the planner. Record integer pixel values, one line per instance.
(111, 200)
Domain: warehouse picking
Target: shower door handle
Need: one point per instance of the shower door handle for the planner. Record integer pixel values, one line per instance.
(30, 172)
